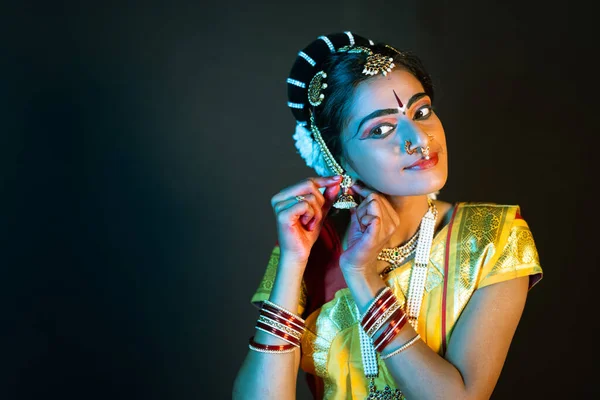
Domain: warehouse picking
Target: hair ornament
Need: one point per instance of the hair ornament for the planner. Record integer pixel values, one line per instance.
(350, 37)
(295, 105)
(296, 83)
(393, 49)
(377, 63)
(307, 58)
(316, 85)
(328, 42)
(309, 150)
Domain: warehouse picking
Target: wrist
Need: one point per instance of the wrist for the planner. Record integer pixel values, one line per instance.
(287, 283)
(364, 287)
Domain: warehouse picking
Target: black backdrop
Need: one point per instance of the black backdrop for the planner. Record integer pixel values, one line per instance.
(140, 145)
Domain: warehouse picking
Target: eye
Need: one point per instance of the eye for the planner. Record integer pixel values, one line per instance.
(381, 131)
(423, 112)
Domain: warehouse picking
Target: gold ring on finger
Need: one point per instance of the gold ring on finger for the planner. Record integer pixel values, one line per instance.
(300, 198)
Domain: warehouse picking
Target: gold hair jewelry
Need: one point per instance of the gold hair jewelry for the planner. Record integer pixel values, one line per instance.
(345, 200)
(375, 63)
(394, 49)
(315, 87)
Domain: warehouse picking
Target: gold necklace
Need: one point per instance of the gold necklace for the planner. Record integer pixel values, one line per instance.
(397, 255)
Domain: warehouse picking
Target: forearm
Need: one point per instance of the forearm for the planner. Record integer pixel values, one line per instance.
(273, 376)
(419, 372)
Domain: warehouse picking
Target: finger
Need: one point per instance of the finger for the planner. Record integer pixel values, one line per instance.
(386, 207)
(310, 185)
(329, 196)
(312, 199)
(368, 219)
(362, 190)
(313, 213)
(373, 225)
(294, 212)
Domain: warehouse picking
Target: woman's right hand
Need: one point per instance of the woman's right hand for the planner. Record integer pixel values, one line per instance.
(299, 222)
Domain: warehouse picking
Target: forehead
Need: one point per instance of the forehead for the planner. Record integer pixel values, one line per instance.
(378, 93)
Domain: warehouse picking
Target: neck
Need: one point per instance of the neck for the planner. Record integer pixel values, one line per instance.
(410, 211)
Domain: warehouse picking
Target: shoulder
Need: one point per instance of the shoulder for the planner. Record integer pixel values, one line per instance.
(487, 215)
(481, 224)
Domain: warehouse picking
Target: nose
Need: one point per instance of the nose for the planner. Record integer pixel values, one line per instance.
(414, 138)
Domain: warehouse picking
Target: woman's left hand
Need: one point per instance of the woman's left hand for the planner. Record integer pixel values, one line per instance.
(372, 223)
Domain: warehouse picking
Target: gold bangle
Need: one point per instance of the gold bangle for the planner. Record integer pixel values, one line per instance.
(402, 348)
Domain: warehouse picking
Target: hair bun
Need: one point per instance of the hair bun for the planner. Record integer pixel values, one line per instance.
(308, 62)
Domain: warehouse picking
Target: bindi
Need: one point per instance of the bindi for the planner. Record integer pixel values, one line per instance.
(401, 107)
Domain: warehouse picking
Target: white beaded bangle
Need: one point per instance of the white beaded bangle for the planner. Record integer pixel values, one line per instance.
(402, 348)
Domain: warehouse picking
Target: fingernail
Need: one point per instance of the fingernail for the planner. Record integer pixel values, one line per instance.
(336, 178)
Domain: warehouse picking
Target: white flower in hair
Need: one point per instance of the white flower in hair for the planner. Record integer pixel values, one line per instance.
(310, 151)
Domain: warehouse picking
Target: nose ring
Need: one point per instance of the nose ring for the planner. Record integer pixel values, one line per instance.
(424, 150)
(407, 144)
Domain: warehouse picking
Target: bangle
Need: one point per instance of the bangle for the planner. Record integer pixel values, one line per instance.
(278, 333)
(402, 348)
(268, 303)
(278, 325)
(372, 317)
(383, 318)
(376, 303)
(277, 315)
(397, 322)
(270, 348)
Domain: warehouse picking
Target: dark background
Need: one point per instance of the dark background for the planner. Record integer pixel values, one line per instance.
(140, 144)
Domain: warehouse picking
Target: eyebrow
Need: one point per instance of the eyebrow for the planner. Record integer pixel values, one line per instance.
(388, 111)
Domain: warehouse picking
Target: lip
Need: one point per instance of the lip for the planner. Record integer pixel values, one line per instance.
(422, 163)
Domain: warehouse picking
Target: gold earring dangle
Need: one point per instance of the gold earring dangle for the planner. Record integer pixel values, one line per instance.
(345, 199)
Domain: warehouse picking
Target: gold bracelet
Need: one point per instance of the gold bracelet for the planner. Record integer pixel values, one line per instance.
(402, 348)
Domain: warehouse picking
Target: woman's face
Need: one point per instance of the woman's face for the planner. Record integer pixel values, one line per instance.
(385, 112)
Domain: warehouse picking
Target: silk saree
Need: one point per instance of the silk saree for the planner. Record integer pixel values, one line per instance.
(478, 244)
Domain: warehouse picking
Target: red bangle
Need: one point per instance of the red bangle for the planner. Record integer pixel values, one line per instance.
(374, 309)
(282, 321)
(292, 318)
(270, 347)
(397, 321)
(380, 312)
(282, 318)
(280, 334)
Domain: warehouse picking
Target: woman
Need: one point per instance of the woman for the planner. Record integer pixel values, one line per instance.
(350, 269)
